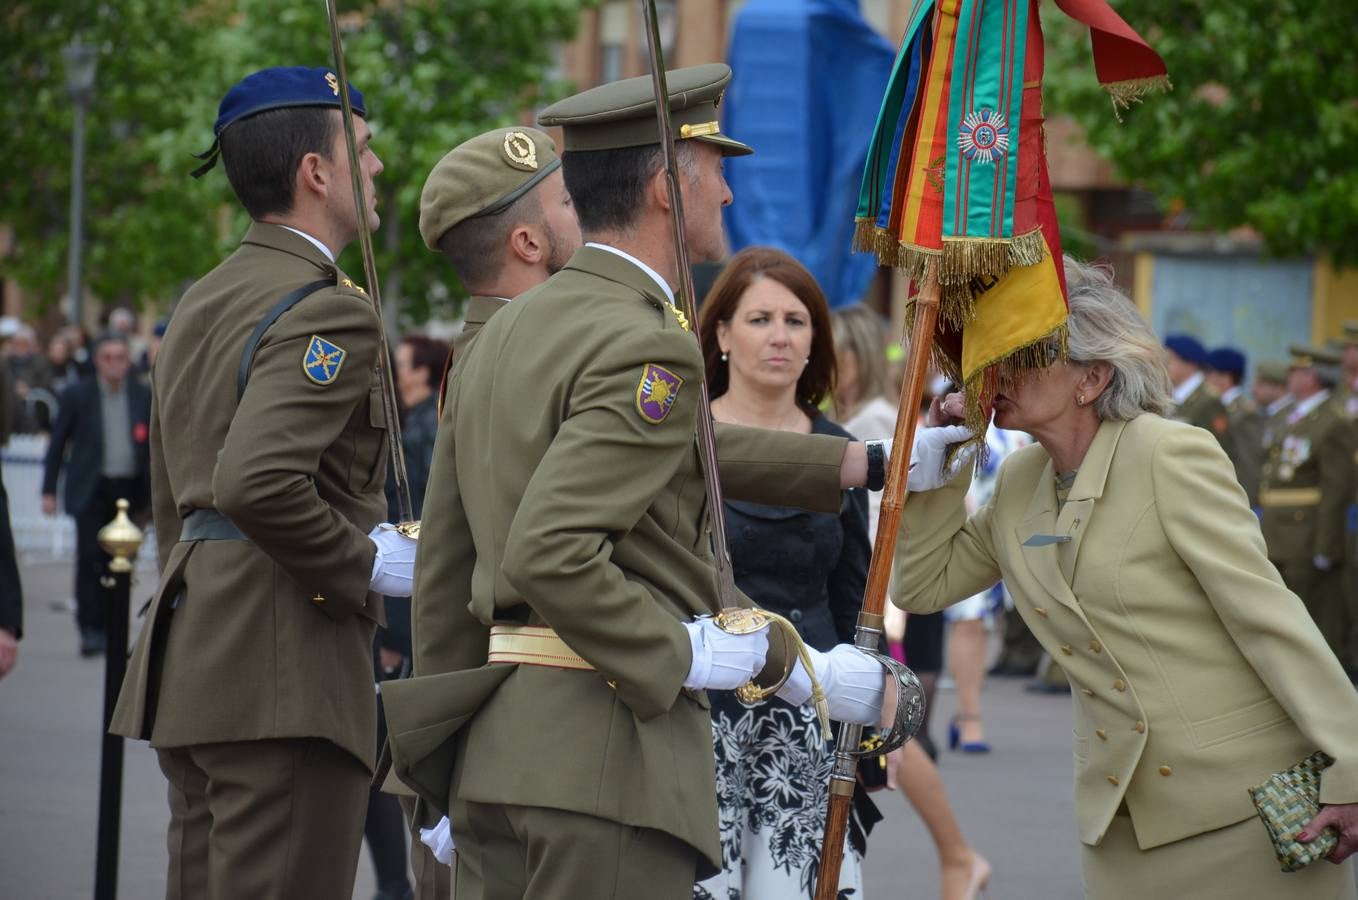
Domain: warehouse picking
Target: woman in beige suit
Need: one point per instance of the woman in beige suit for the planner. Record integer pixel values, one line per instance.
(1133, 556)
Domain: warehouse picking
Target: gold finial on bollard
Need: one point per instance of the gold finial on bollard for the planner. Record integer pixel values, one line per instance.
(121, 539)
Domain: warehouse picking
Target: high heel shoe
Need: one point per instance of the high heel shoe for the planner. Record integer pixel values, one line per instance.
(955, 736)
(980, 878)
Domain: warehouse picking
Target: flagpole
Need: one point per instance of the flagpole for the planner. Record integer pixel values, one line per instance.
(868, 634)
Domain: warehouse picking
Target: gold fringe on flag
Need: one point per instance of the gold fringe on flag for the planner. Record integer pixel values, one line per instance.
(1125, 93)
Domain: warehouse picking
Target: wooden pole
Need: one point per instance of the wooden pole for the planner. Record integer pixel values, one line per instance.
(870, 622)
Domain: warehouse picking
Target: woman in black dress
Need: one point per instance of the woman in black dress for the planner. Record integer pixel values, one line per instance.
(770, 361)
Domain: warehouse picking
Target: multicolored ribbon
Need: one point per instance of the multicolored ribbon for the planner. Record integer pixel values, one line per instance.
(957, 177)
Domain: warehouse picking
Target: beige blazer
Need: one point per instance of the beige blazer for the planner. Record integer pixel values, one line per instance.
(1196, 673)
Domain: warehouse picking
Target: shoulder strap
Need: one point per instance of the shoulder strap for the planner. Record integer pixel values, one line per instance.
(247, 356)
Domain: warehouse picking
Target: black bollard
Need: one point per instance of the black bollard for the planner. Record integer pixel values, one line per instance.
(122, 539)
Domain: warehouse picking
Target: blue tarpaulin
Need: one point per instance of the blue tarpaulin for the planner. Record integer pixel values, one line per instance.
(809, 78)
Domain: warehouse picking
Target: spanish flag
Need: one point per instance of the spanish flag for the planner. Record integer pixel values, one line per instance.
(956, 177)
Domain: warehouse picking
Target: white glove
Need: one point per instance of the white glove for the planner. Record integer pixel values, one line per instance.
(926, 458)
(723, 661)
(439, 840)
(851, 679)
(394, 562)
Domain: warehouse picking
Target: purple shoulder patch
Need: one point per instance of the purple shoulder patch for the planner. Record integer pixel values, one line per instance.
(656, 393)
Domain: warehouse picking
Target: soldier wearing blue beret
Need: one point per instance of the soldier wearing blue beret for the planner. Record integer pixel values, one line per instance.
(1226, 376)
(1194, 400)
(252, 676)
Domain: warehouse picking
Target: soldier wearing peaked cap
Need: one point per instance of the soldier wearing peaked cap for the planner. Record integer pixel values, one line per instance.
(1305, 491)
(252, 676)
(566, 549)
(497, 208)
(1346, 392)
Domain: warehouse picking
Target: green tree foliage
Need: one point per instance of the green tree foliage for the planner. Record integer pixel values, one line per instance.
(433, 74)
(1261, 128)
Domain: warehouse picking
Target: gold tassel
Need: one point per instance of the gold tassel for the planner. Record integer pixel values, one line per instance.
(864, 235)
(1125, 93)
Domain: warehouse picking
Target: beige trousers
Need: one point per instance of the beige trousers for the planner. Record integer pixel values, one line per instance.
(1232, 863)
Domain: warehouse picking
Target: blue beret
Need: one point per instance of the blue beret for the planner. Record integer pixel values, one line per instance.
(1186, 348)
(1228, 360)
(277, 88)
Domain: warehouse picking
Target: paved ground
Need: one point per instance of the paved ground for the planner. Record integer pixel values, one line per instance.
(1014, 804)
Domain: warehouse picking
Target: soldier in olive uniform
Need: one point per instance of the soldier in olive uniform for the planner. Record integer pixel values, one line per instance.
(559, 704)
(1269, 390)
(1226, 376)
(497, 208)
(252, 676)
(1194, 401)
(1347, 389)
(1305, 492)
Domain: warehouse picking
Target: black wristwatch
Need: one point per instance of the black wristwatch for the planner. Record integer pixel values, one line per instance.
(876, 465)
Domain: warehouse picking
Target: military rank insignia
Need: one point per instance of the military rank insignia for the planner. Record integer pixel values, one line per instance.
(322, 360)
(656, 393)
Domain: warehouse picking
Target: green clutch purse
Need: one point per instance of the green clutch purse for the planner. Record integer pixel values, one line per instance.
(1289, 800)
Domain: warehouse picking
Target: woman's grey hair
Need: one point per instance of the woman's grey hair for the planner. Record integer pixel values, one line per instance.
(1105, 327)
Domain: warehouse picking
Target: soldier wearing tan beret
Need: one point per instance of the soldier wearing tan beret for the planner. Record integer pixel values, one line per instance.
(497, 208)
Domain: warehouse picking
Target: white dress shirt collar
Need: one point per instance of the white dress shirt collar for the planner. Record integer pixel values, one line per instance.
(655, 276)
(319, 246)
(1305, 406)
(1185, 390)
(1229, 395)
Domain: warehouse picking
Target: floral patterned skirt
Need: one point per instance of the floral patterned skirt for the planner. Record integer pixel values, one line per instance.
(773, 772)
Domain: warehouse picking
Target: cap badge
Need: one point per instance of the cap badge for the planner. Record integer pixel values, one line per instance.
(331, 80)
(699, 130)
(520, 152)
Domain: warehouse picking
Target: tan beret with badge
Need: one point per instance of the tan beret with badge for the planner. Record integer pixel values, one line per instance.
(483, 176)
(622, 114)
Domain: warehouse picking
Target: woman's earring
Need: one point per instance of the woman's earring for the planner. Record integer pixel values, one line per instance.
(1080, 400)
(807, 362)
(723, 356)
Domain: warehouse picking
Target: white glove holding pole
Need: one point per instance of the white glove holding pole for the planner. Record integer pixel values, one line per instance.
(927, 469)
(394, 562)
(723, 661)
(851, 679)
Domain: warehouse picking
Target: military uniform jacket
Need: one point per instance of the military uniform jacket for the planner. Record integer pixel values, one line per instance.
(563, 494)
(269, 637)
(1246, 448)
(1204, 409)
(1196, 674)
(1307, 485)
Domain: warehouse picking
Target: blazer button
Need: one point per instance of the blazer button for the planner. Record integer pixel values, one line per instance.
(1140, 727)
(1040, 611)
(1120, 685)
(1166, 771)
(1103, 735)
(1095, 647)
(1065, 648)
(1113, 780)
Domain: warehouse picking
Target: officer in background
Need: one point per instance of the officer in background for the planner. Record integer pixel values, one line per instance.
(1194, 401)
(1226, 377)
(1305, 492)
(1347, 389)
(252, 676)
(566, 544)
(497, 208)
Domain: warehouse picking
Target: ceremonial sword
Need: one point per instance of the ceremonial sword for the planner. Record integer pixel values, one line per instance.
(407, 524)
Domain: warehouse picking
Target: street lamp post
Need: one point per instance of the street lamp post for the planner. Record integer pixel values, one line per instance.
(80, 65)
